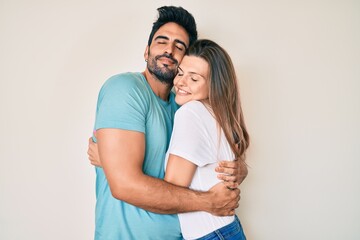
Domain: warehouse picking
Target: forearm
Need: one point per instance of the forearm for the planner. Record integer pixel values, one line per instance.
(156, 195)
(122, 156)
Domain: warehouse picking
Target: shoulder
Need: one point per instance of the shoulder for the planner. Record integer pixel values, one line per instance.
(124, 80)
(125, 84)
(125, 88)
(193, 110)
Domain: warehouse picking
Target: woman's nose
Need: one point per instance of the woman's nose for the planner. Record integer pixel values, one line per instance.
(180, 80)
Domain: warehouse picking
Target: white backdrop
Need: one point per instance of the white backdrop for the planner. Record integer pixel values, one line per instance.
(298, 64)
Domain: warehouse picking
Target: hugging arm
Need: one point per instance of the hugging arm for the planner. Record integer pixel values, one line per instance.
(180, 171)
(122, 155)
(233, 173)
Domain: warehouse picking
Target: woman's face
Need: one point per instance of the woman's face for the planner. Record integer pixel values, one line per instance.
(192, 80)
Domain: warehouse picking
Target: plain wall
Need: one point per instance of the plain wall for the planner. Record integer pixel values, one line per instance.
(298, 64)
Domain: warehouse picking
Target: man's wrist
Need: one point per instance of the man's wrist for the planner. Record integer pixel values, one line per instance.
(205, 203)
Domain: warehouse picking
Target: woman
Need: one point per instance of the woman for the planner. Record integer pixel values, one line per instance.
(207, 128)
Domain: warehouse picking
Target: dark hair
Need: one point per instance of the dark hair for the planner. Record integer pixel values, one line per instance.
(224, 95)
(177, 15)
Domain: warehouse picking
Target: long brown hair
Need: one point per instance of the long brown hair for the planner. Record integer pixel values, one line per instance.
(224, 96)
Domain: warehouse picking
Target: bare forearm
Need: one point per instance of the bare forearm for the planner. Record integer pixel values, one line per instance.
(158, 196)
(128, 182)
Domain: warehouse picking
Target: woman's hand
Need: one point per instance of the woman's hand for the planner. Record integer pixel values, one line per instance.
(232, 173)
(93, 153)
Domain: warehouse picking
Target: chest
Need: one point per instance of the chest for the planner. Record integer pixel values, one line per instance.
(158, 128)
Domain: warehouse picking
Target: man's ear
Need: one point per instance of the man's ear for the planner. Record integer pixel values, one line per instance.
(146, 53)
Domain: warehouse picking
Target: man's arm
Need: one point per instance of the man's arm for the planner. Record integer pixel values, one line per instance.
(122, 155)
(233, 173)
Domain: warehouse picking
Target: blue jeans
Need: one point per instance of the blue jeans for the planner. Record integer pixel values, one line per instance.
(232, 231)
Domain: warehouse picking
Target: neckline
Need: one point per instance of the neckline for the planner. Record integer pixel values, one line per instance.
(163, 102)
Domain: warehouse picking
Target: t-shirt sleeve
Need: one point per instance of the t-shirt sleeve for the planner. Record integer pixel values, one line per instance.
(121, 104)
(190, 138)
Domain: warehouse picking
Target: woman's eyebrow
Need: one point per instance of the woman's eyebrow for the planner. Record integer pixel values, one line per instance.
(197, 74)
(179, 68)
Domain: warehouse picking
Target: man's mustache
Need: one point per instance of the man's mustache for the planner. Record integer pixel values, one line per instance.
(167, 56)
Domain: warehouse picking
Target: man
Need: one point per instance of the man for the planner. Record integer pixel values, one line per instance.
(133, 128)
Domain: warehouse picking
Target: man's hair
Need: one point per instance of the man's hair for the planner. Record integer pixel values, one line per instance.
(177, 15)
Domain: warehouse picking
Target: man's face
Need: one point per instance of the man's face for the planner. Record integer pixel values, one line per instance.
(166, 51)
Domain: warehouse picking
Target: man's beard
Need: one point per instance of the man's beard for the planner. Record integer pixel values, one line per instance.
(164, 74)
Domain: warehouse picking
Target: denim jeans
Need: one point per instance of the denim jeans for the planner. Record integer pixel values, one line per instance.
(232, 231)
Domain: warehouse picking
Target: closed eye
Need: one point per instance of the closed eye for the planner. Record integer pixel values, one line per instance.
(180, 47)
(180, 72)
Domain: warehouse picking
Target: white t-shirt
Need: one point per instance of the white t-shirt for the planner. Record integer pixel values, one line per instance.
(195, 138)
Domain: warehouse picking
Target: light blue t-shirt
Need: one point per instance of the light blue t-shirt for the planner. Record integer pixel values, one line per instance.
(126, 101)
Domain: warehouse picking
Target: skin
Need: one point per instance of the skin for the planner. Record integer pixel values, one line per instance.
(230, 172)
(122, 151)
(166, 40)
(191, 83)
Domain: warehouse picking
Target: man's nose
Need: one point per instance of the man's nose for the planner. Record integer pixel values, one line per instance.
(169, 48)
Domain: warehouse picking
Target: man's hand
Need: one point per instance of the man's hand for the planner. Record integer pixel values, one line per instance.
(224, 200)
(93, 153)
(232, 173)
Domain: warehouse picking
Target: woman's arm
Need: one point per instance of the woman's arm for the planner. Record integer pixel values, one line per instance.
(179, 171)
(93, 153)
(232, 173)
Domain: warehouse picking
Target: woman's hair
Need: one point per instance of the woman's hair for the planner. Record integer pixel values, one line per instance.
(177, 15)
(224, 96)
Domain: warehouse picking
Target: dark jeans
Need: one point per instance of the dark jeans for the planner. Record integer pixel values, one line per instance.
(232, 231)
